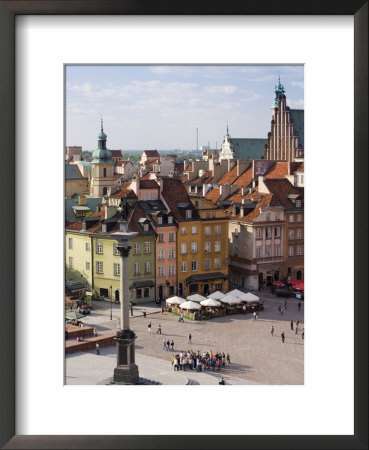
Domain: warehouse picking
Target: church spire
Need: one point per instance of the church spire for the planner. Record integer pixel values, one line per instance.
(278, 90)
(102, 124)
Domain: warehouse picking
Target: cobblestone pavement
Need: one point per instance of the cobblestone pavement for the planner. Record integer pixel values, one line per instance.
(256, 355)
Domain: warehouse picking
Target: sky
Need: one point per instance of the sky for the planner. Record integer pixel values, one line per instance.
(160, 107)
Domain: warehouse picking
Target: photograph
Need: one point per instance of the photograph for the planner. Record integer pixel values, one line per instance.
(184, 224)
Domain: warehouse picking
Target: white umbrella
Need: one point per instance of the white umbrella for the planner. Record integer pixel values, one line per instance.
(175, 300)
(217, 295)
(230, 300)
(196, 298)
(189, 305)
(235, 293)
(249, 297)
(210, 302)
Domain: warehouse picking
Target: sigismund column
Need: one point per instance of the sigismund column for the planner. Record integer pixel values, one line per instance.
(126, 371)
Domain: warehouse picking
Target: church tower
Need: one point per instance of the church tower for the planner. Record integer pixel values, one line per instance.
(283, 140)
(102, 168)
(227, 151)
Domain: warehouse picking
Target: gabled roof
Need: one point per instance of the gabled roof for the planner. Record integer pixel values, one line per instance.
(152, 153)
(262, 200)
(205, 178)
(245, 178)
(282, 190)
(230, 177)
(72, 172)
(175, 195)
(248, 148)
(213, 195)
(148, 184)
(116, 153)
(124, 192)
(134, 223)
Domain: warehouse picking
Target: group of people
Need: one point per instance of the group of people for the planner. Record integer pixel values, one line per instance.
(283, 335)
(200, 362)
(168, 345)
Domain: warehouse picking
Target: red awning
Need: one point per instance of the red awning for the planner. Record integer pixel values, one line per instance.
(278, 283)
(296, 281)
(299, 286)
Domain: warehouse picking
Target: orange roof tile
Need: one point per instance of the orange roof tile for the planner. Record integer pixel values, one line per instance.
(230, 177)
(244, 179)
(213, 194)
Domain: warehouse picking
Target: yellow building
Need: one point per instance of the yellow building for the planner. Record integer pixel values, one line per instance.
(78, 257)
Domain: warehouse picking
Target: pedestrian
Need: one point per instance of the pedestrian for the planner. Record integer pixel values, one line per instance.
(189, 338)
(164, 344)
(299, 306)
(297, 327)
(144, 313)
(228, 358)
(162, 309)
(172, 345)
(180, 318)
(131, 308)
(272, 330)
(149, 327)
(291, 324)
(95, 332)
(303, 334)
(168, 345)
(159, 329)
(297, 323)
(97, 349)
(283, 336)
(254, 315)
(281, 310)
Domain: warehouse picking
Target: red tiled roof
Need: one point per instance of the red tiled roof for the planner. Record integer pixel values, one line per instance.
(116, 153)
(280, 189)
(230, 177)
(189, 168)
(152, 153)
(208, 175)
(278, 170)
(174, 192)
(123, 192)
(152, 161)
(213, 194)
(148, 184)
(244, 179)
(264, 200)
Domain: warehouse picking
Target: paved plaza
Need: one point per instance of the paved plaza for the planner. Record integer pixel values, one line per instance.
(256, 356)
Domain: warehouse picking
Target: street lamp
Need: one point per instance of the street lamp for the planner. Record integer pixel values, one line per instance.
(126, 371)
(111, 303)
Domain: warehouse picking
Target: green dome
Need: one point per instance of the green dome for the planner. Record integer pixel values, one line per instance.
(102, 154)
(102, 136)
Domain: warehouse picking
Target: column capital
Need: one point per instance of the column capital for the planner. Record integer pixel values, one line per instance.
(124, 251)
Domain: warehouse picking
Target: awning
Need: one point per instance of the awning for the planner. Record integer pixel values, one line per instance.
(141, 284)
(75, 286)
(206, 277)
(243, 270)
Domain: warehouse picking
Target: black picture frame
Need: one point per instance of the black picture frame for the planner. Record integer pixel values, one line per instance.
(8, 11)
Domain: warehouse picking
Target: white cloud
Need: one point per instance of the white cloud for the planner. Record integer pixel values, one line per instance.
(298, 83)
(295, 103)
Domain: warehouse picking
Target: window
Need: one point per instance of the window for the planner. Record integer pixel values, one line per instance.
(258, 233)
(146, 227)
(138, 293)
(299, 234)
(299, 218)
(115, 249)
(291, 235)
(161, 271)
(147, 247)
(300, 250)
(214, 214)
(116, 269)
(171, 254)
(147, 292)
(276, 216)
(170, 219)
(194, 266)
(217, 246)
(99, 267)
(194, 247)
(207, 231)
(137, 268)
(298, 203)
(207, 264)
(147, 267)
(259, 252)
(161, 254)
(136, 248)
(268, 251)
(184, 266)
(291, 218)
(268, 232)
(88, 266)
(188, 214)
(161, 237)
(207, 247)
(277, 231)
(218, 229)
(171, 270)
(171, 237)
(183, 248)
(104, 173)
(99, 247)
(160, 220)
(216, 263)
(71, 262)
(87, 247)
(183, 230)
(70, 243)
(208, 215)
(268, 216)
(290, 250)
(218, 286)
(194, 230)
(277, 250)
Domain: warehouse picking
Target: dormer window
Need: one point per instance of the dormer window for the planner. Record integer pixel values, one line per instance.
(298, 203)
(146, 227)
(160, 220)
(188, 214)
(170, 219)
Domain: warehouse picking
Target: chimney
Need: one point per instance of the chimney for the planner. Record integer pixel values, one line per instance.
(83, 224)
(104, 228)
(241, 211)
(253, 183)
(82, 200)
(233, 210)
